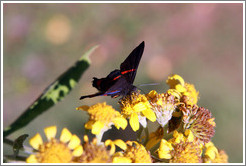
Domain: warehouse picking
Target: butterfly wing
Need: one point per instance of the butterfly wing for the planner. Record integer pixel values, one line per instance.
(103, 84)
(129, 67)
(121, 87)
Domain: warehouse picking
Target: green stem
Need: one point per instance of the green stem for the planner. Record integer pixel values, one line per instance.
(146, 130)
(9, 158)
(139, 133)
(8, 141)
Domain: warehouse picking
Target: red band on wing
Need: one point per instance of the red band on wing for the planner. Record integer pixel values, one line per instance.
(127, 71)
(115, 78)
(124, 72)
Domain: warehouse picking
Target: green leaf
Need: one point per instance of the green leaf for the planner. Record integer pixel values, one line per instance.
(53, 93)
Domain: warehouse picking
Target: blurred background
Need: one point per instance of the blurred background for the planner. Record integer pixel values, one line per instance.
(201, 42)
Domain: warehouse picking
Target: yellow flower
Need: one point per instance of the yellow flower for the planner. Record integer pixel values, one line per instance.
(134, 153)
(94, 152)
(163, 106)
(182, 148)
(98, 152)
(102, 117)
(199, 121)
(137, 107)
(55, 151)
(155, 137)
(189, 95)
(213, 155)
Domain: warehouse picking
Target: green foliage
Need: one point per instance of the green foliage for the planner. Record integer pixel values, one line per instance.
(52, 94)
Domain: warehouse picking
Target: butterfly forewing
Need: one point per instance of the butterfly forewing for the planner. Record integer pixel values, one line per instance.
(129, 67)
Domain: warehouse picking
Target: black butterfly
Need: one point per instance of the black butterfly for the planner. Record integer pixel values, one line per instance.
(119, 82)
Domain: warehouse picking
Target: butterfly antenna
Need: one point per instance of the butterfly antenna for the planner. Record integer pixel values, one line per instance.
(146, 85)
(149, 84)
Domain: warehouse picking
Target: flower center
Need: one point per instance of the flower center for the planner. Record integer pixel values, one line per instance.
(54, 152)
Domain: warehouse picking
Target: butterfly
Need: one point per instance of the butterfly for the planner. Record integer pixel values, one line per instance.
(120, 81)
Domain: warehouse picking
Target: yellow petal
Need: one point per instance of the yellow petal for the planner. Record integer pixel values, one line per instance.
(120, 122)
(120, 144)
(179, 78)
(78, 151)
(139, 107)
(174, 80)
(36, 141)
(148, 113)
(112, 149)
(211, 152)
(74, 142)
(83, 108)
(190, 136)
(108, 142)
(121, 160)
(94, 141)
(32, 159)
(175, 133)
(97, 127)
(86, 139)
(174, 92)
(151, 94)
(164, 155)
(178, 136)
(112, 146)
(209, 144)
(65, 135)
(164, 149)
(165, 146)
(50, 132)
(129, 143)
(180, 88)
(134, 122)
(89, 124)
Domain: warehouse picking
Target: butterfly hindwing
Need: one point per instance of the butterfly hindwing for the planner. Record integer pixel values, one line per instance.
(103, 84)
(121, 87)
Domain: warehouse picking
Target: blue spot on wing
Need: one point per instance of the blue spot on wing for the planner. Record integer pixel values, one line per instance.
(112, 92)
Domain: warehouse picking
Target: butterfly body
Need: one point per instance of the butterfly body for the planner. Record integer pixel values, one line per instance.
(120, 81)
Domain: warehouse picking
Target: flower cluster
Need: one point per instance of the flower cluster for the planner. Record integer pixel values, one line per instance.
(183, 133)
